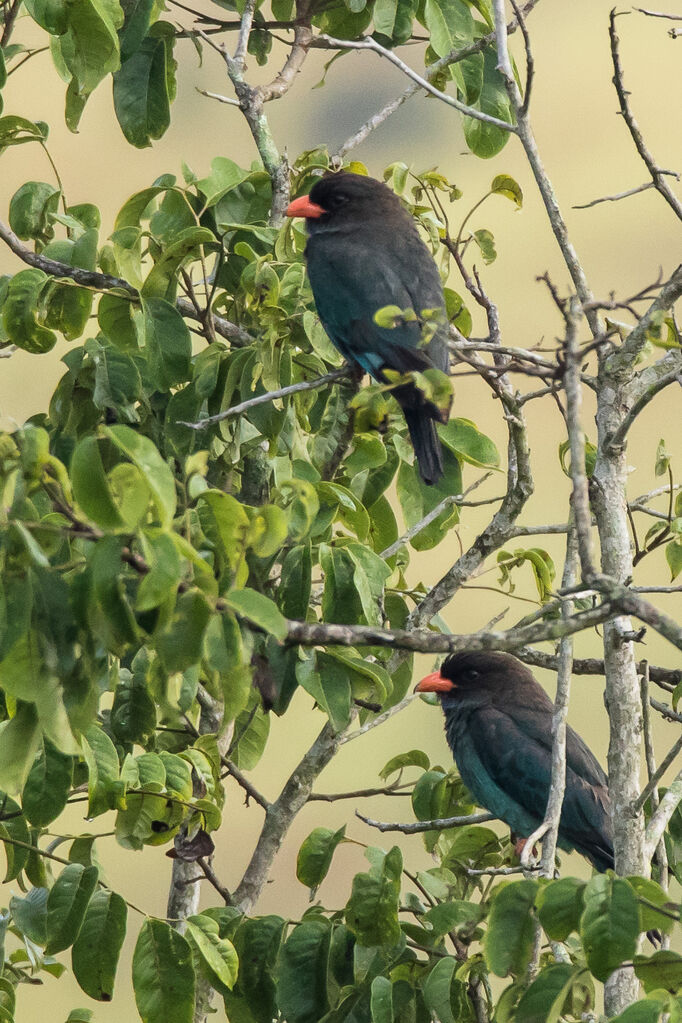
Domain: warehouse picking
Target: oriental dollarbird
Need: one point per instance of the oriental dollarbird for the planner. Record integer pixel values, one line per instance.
(364, 254)
(498, 723)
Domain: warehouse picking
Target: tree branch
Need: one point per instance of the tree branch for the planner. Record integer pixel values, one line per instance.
(280, 815)
(326, 42)
(263, 399)
(417, 827)
(657, 176)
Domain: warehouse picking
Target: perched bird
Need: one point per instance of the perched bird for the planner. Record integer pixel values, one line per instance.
(498, 723)
(363, 254)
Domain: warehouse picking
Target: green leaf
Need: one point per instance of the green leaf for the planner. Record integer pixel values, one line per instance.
(167, 342)
(47, 786)
(91, 487)
(329, 685)
(20, 312)
(505, 185)
(486, 140)
(30, 914)
(662, 970)
(302, 974)
(111, 608)
(218, 953)
(650, 919)
(315, 855)
(544, 1000)
(372, 910)
(163, 976)
(415, 758)
(486, 244)
(145, 455)
(66, 905)
(260, 610)
(95, 953)
(295, 582)
(436, 990)
(105, 790)
(511, 928)
(135, 27)
(468, 444)
(609, 925)
(662, 459)
(90, 46)
(559, 906)
(180, 644)
(19, 741)
(162, 278)
(458, 916)
(450, 25)
(133, 714)
(340, 598)
(13, 826)
(116, 321)
(225, 175)
(646, 1011)
(381, 1000)
(52, 15)
(673, 555)
(30, 208)
(252, 730)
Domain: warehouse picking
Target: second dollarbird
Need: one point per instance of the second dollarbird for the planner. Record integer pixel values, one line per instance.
(363, 254)
(498, 723)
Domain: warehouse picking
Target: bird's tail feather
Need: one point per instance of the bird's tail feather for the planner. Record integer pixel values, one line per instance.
(426, 444)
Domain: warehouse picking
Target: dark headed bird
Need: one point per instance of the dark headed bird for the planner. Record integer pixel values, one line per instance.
(364, 253)
(498, 723)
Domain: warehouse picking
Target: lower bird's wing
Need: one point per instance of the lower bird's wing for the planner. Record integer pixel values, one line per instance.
(516, 753)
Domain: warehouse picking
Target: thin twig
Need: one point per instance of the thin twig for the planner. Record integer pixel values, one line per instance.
(657, 176)
(417, 827)
(263, 399)
(623, 195)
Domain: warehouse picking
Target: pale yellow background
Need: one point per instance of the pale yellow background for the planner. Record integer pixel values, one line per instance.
(587, 153)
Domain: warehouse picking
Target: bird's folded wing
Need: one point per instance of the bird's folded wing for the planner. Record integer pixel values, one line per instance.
(516, 752)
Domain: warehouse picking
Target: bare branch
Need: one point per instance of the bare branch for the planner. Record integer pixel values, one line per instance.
(623, 195)
(660, 818)
(580, 498)
(431, 72)
(674, 376)
(557, 785)
(280, 815)
(659, 14)
(326, 42)
(657, 176)
(416, 827)
(263, 399)
(525, 133)
(244, 31)
(105, 282)
(452, 499)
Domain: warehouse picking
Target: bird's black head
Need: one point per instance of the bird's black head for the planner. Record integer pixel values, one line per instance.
(476, 671)
(343, 196)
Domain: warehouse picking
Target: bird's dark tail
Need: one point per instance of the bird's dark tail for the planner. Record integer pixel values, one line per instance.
(426, 443)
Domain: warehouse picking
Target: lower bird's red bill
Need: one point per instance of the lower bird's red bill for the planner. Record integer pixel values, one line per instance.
(303, 207)
(434, 683)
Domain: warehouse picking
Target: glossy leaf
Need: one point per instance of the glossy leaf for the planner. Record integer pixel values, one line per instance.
(96, 950)
(66, 905)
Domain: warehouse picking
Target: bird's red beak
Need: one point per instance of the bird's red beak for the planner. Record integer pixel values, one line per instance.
(434, 683)
(303, 207)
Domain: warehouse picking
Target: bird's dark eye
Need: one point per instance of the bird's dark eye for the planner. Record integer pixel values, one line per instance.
(337, 200)
(472, 674)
